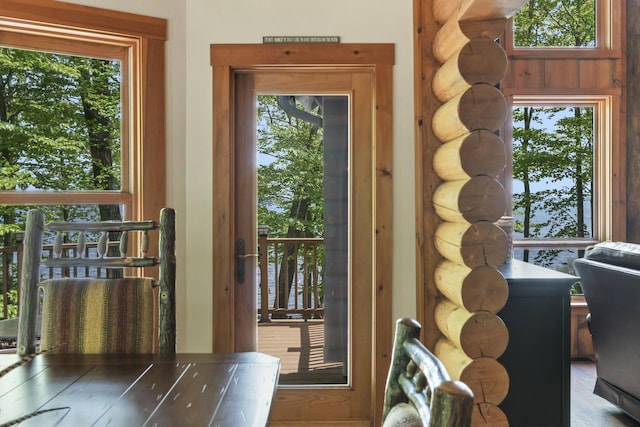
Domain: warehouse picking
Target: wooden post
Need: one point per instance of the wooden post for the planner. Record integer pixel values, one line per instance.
(481, 60)
(263, 236)
(487, 378)
(469, 290)
(454, 34)
(477, 334)
(481, 106)
(167, 254)
(488, 414)
(473, 245)
(27, 325)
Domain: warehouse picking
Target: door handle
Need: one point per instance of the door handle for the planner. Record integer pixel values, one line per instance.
(241, 256)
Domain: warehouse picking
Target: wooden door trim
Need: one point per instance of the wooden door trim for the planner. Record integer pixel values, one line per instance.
(228, 59)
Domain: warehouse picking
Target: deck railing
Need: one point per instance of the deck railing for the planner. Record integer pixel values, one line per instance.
(10, 274)
(290, 274)
(11, 271)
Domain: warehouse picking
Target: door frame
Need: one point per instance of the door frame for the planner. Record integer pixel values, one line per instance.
(226, 61)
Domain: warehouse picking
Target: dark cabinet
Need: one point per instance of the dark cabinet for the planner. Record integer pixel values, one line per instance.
(537, 358)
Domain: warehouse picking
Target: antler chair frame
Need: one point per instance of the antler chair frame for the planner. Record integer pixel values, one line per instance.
(418, 378)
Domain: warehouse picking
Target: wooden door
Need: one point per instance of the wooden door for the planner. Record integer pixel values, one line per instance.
(235, 221)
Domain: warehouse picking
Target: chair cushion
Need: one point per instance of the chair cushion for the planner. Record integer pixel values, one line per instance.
(102, 316)
(622, 254)
(403, 415)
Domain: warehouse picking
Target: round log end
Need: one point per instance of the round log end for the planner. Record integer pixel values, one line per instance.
(487, 379)
(484, 335)
(484, 243)
(482, 198)
(487, 414)
(483, 153)
(485, 288)
(482, 106)
(482, 60)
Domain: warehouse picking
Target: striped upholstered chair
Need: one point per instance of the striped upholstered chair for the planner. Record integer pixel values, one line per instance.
(124, 312)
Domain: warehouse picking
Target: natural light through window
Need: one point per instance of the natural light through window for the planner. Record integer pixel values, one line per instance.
(561, 196)
(556, 23)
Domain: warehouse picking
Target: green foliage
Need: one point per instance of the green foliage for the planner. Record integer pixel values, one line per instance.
(566, 23)
(553, 147)
(59, 131)
(553, 158)
(290, 179)
(59, 124)
(12, 304)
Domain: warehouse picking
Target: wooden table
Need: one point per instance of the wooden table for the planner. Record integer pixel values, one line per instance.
(136, 390)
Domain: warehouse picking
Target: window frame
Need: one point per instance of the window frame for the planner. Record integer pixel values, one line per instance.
(607, 12)
(604, 187)
(138, 41)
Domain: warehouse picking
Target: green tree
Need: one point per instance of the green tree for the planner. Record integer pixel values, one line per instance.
(553, 146)
(59, 127)
(290, 178)
(559, 157)
(59, 130)
(566, 23)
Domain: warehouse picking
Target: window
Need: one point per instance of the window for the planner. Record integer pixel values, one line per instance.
(555, 23)
(558, 26)
(565, 64)
(123, 39)
(61, 121)
(562, 196)
(134, 45)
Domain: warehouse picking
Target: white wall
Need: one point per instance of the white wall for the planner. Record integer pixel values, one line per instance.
(193, 26)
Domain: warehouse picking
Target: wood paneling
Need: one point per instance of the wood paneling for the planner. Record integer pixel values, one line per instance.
(562, 74)
(632, 106)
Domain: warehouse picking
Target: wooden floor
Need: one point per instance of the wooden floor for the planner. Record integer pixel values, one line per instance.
(587, 409)
(298, 344)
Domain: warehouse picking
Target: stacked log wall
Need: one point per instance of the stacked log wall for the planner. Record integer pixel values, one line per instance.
(442, 30)
(468, 201)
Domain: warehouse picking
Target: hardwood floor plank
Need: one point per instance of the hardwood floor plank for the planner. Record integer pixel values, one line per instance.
(588, 409)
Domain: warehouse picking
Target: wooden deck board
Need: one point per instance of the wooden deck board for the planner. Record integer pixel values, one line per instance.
(299, 345)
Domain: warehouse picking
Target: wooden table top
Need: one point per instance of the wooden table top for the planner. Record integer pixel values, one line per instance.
(135, 390)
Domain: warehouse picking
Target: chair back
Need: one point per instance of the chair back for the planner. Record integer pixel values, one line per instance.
(419, 391)
(125, 312)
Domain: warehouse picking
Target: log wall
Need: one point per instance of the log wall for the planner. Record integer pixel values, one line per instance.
(459, 199)
(457, 248)
(468, 207)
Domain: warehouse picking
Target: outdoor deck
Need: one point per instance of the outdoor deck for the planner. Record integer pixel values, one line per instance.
(299, 344)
